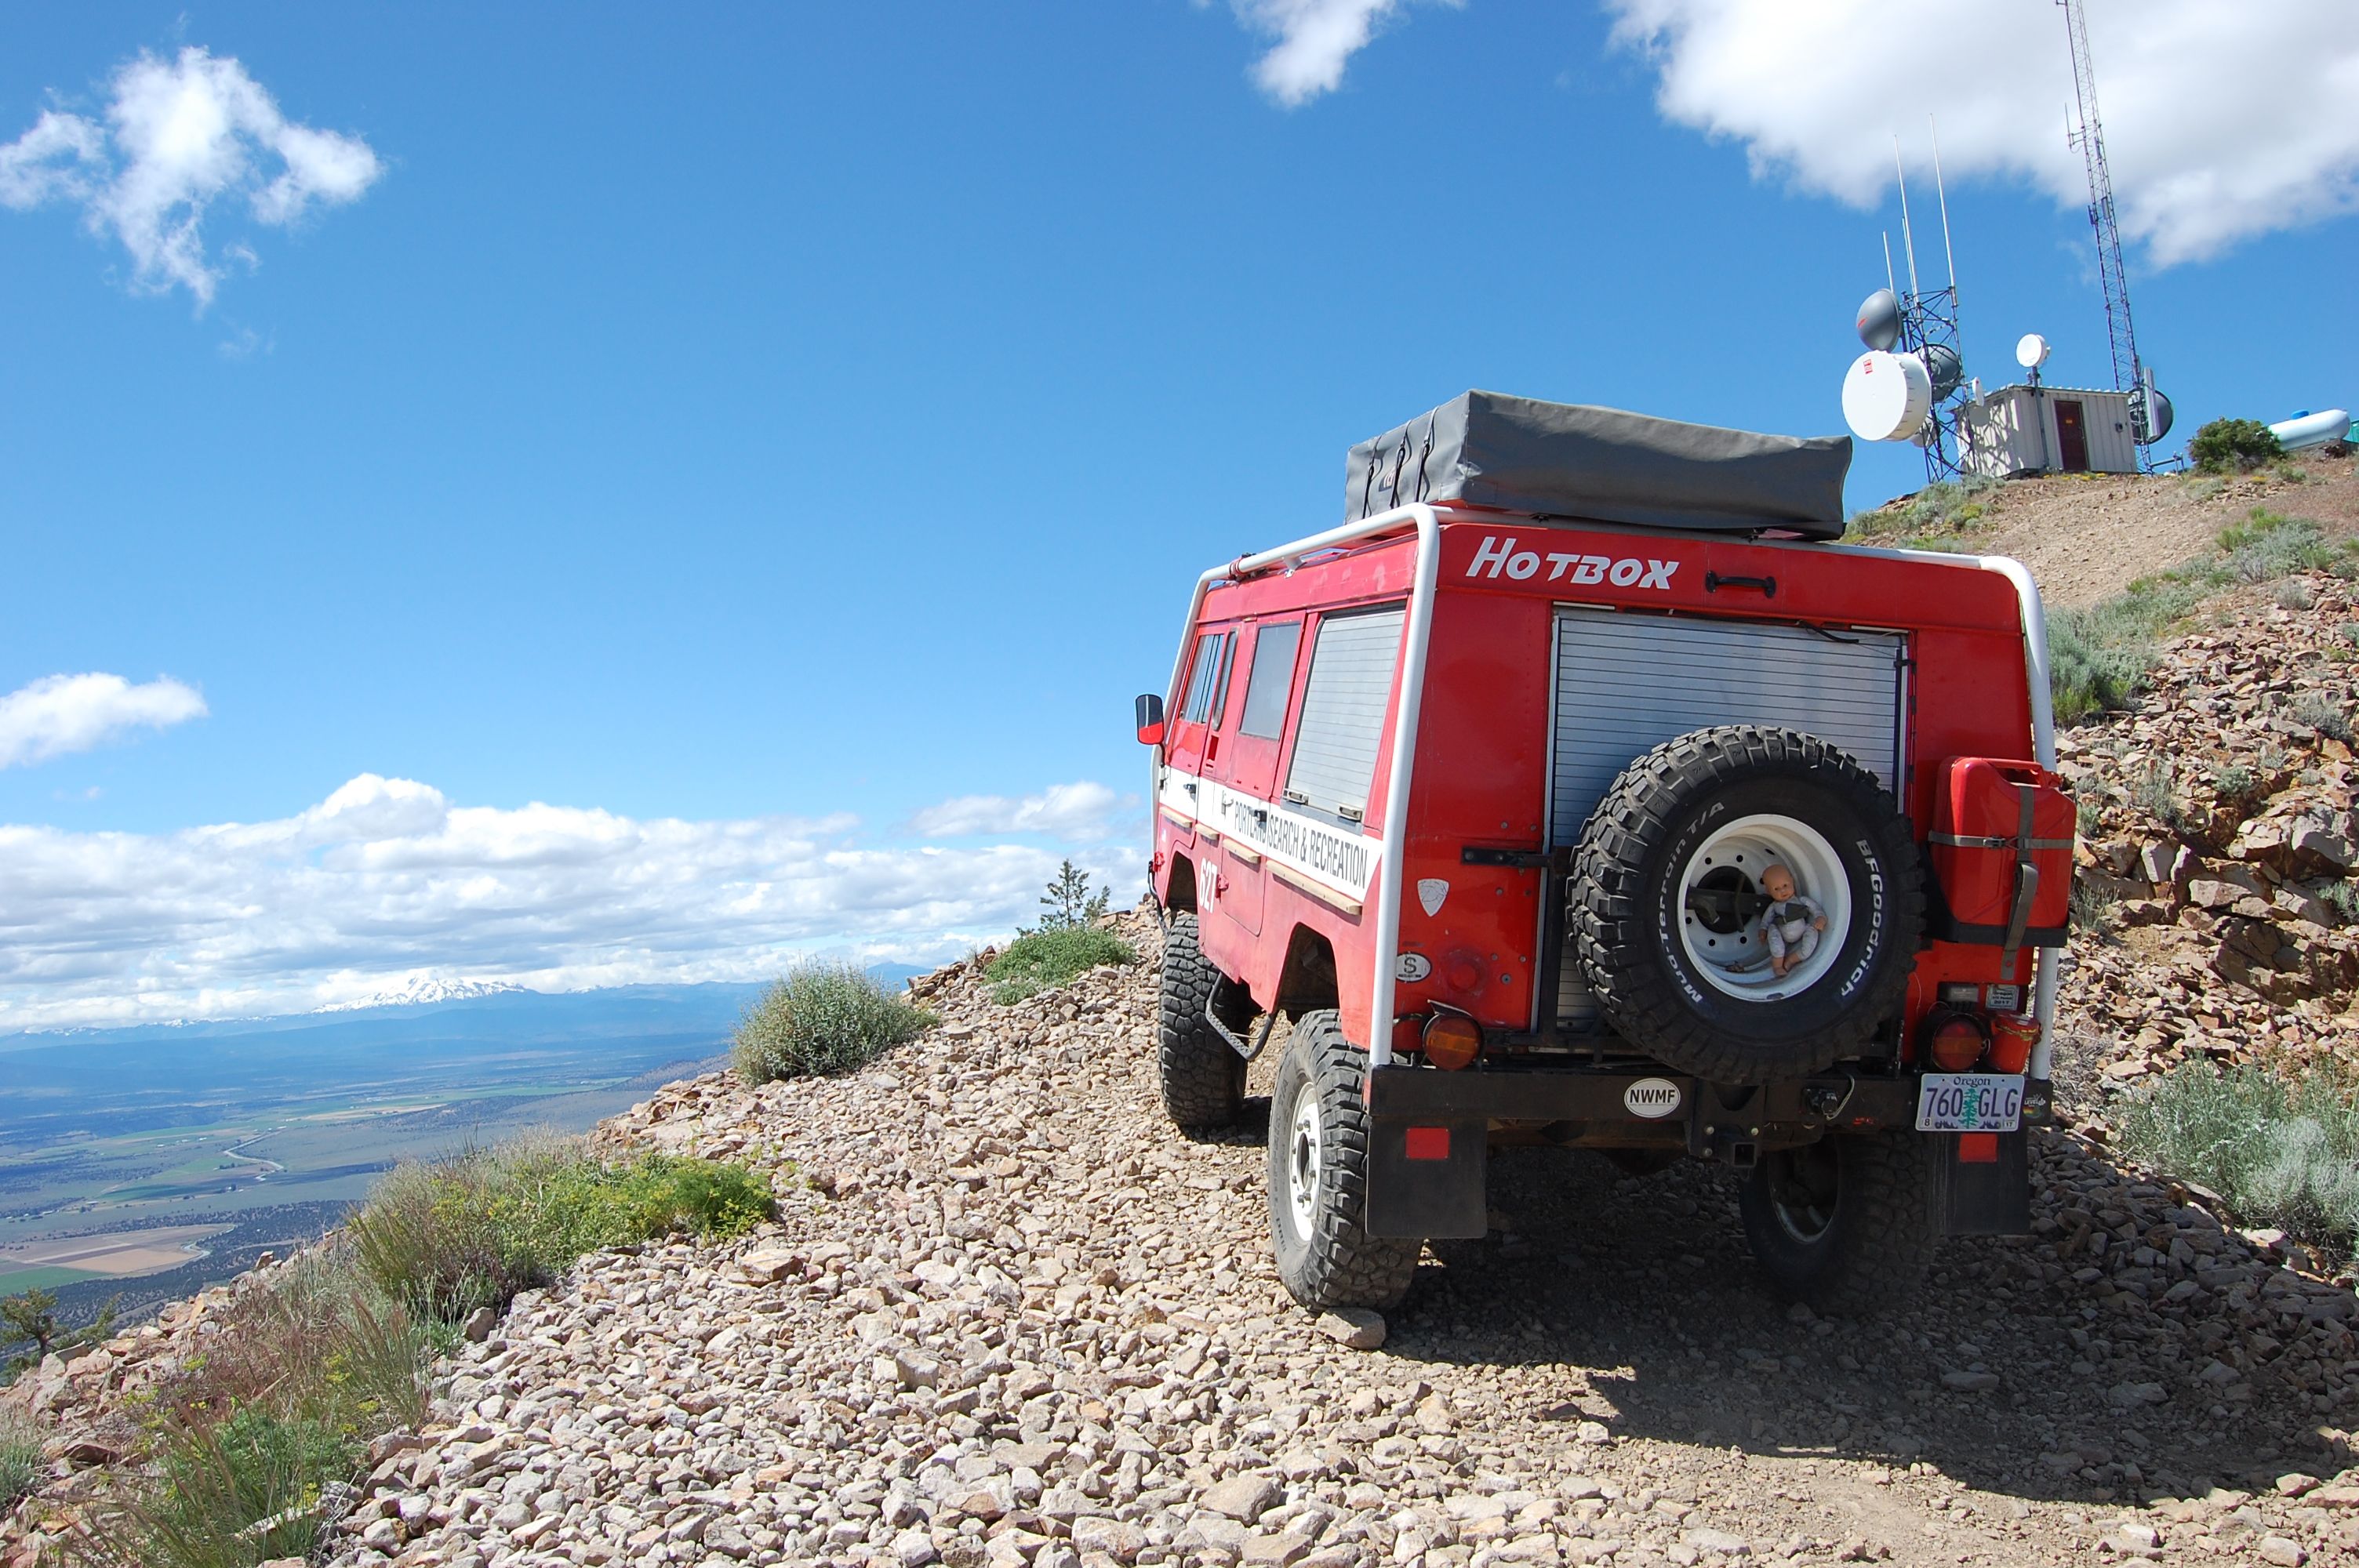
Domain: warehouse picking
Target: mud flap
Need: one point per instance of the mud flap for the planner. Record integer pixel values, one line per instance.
(1427, 1179)
(1982, 1183)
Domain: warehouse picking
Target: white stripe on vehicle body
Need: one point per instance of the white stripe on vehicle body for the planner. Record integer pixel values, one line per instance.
(1327, 855)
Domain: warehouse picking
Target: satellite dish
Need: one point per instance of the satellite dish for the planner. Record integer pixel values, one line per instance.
(1943, 364)
(2031, 350)
(1885, 396)
(1879, 320)
(2150, 418)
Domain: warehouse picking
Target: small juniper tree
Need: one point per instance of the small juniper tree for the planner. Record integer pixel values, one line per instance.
(32, 1315)
(1069, 902)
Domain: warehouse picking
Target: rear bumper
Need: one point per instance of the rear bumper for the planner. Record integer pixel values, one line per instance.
(1428, 1155)
(1633, 1109)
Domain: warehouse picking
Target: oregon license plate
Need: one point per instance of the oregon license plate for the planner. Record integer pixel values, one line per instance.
(1970, 1102)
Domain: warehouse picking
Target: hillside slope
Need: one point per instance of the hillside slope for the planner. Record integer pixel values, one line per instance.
(2087, 536)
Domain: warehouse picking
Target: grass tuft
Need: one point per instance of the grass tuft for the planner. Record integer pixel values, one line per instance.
(2281, 1152)
(1043, 961)
(449, 1236)
(822, 1019)
(20, 1456)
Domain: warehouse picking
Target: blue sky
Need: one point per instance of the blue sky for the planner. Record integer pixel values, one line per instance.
(781, 422)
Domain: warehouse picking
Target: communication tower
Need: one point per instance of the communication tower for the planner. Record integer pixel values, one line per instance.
(2130, 375)
(1914, 347)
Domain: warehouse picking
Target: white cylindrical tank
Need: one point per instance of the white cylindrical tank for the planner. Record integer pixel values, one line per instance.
(2307, 429)
(1885, 396)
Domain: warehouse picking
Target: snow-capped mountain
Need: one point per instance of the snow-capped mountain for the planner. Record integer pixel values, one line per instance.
(421, 990)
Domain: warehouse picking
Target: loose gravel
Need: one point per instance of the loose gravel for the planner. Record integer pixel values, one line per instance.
(1010, 1316)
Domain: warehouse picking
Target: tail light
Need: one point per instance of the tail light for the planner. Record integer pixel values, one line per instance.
(1452, 1040)
(2012, 1038)
(1955, 1042)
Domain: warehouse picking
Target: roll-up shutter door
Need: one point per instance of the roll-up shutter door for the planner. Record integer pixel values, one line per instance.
(1343, 703)
(1625, 684)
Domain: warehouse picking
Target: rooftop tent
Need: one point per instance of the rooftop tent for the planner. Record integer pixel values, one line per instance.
(1566, 460)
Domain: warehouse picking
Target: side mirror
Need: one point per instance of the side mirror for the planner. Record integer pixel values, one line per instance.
(1150, 720)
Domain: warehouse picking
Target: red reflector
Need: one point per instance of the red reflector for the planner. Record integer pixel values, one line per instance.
(1433, 1143)
(1977, 1148)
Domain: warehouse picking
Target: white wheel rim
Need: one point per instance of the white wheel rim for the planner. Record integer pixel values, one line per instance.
(1303, 1160)
(1720, 904)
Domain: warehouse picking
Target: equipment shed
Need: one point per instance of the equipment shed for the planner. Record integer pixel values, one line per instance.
(2032, 429)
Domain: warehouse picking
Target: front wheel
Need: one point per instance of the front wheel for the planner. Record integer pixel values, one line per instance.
(1319, 1143)
(1204, 1080)
(1847, 1223)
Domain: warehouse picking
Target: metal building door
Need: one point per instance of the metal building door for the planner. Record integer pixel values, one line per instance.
(2071, 436)
(1627, 683)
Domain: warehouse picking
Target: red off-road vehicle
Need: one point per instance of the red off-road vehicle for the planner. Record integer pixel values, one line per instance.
(1578, 790)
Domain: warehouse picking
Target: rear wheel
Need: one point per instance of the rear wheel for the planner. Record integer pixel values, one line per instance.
(1203, 1079)
(1845, 1224)
(1318, 1143)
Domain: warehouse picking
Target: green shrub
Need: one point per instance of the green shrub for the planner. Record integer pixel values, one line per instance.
(452, 1234)
(1043, 961)
(2242, 445)
(228, 1494)
(820, 1019)
(2281, 1152)
(2321, 713)
(20, 1456)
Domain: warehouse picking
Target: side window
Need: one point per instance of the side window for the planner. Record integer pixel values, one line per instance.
(1272, 681)
(1343, 711)
(1204, 677)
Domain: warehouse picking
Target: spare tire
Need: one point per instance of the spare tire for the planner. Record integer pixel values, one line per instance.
(1667, 904)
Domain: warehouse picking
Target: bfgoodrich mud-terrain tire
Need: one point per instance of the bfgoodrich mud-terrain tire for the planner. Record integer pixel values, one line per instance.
(1845, 1224)
(1203, 1079)
(1666, 899)
(1319, 1140)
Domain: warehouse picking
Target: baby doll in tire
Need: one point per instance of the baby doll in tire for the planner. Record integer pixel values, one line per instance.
(1792, 924)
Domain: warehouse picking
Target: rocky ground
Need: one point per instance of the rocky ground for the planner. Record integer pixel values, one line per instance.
(2218, 842)
(1008, 1315)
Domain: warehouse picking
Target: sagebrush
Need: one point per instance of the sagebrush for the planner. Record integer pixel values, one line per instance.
(1043, 961)
(2281, 1151)
(823, 1018)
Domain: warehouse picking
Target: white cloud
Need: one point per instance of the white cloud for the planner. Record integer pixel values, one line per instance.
(179, 135)
(1315, 38)
(388, 879)
(1070, 811)
(58, 714)
(2222, 122)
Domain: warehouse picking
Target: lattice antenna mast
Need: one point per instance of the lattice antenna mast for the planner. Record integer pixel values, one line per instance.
(2090, 138)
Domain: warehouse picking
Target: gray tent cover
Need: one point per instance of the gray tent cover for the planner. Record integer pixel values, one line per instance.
(1572, 460)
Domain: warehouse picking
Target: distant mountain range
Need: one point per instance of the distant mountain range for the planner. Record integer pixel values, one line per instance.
(423, 991)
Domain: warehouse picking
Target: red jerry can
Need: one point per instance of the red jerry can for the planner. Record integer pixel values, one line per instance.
(2001, 847)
